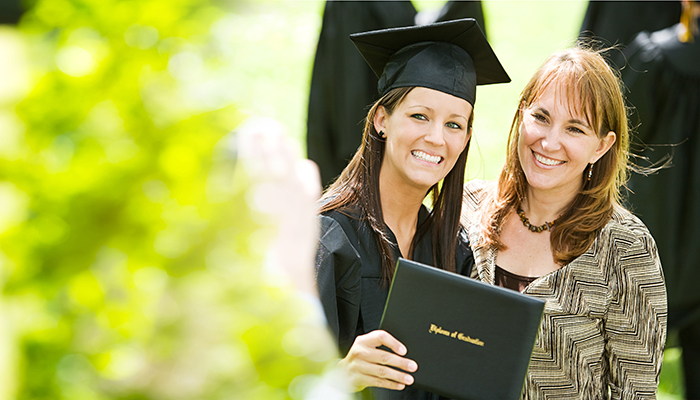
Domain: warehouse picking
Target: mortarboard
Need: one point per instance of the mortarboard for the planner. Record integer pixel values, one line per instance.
(452, 57)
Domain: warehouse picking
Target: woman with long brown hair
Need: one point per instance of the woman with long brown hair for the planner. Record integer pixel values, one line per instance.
(415, 143)
(553, 227)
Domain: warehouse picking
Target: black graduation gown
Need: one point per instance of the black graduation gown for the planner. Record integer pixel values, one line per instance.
(618, 22)
(663, 81)
(11, 11)
(352, 293)
(343, 85)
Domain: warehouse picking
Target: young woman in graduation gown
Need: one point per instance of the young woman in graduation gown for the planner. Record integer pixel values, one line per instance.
(414, 145)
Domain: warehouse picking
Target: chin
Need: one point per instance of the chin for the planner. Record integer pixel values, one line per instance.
(424, 184)
(539, 182)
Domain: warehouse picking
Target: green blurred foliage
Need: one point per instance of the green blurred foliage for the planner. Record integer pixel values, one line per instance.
(130, 259)
(671, 382)
(130, 256)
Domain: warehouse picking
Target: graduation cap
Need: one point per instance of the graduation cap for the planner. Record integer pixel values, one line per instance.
(452, 57)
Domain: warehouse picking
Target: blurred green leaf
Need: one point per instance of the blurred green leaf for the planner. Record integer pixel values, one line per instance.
(122, 278)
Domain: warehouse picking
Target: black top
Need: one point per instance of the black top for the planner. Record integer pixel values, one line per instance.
(349, 277)
(663, 81)
(509, 280)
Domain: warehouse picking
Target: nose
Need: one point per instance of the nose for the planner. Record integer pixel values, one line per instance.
(551, 140)
(435, 135)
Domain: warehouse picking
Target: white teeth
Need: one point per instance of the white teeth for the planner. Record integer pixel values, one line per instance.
(426, 157)
(547, 161)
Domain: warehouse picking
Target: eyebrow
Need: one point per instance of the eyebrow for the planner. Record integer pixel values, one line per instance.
(571, 121)
(459, 116)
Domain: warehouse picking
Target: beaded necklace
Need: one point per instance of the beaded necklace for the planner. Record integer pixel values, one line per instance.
(533, 228)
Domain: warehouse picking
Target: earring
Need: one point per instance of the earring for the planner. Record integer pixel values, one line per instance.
(590, 171)
(382, 134)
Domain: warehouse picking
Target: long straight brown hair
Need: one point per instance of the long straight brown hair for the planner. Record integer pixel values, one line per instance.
(356, 193)
(588, 81)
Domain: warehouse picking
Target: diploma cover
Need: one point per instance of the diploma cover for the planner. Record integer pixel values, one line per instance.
(471, 340)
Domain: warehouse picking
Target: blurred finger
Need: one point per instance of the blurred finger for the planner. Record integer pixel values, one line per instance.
(264, 149)
(310, 178)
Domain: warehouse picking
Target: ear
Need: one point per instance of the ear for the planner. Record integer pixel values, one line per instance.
(379, 119)
(605, 145)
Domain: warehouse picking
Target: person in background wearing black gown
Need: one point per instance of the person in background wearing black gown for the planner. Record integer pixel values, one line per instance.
(342, 84)
(415, 137)
(618, 22)
(663, 82)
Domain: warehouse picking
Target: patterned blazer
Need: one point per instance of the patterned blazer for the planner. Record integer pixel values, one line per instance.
(604, 326)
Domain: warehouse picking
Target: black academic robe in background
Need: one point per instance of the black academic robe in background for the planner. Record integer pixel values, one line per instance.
(343, 85)
(663, 81)
(11, 11)
(348, 267)
(618, 22)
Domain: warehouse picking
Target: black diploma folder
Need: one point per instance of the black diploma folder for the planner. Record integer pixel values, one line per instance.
(471, 340)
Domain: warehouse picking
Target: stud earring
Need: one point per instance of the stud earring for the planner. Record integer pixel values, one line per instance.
(382, 134)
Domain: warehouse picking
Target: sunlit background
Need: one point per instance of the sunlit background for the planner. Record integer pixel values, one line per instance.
(129, 251)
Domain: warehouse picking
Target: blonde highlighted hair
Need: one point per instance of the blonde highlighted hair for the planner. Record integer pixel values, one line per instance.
(581, 74)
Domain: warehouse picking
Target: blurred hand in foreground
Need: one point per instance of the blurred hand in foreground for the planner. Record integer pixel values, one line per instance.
(286, 188)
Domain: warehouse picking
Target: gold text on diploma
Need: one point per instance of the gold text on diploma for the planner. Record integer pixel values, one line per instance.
(438, 330)
(455, 335)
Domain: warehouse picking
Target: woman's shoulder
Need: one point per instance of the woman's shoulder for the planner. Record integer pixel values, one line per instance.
(476, 193)
(477, 190)
(342, 214)
(338, 242)
(626, 228)
(346, 221)
(352, 223)
(477, 187)
(662, 49)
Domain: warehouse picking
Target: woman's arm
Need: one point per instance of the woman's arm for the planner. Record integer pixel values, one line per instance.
(635, 324)
(338, 269)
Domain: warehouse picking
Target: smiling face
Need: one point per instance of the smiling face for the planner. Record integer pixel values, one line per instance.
(556, 143)
(424, 137)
